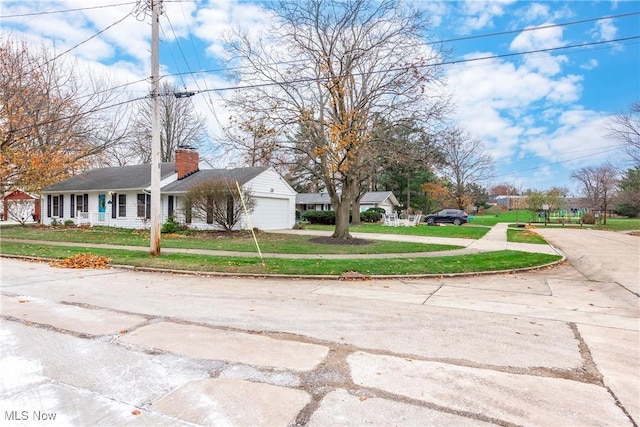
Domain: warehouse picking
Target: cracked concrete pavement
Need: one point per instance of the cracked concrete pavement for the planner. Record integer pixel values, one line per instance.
(559, 346)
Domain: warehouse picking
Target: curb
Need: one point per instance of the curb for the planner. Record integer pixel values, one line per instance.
(307, 276)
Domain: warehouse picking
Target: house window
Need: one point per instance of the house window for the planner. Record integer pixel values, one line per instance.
(122, 205)
(82, 203)
(170, 206)
(144, 206)
(79, 205)
(209, 210)
(55, 205)
(187, 212)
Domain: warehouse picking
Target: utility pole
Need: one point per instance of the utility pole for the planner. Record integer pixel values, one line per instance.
(156, 206)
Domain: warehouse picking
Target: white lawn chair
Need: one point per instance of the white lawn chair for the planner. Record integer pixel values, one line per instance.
(390, 220)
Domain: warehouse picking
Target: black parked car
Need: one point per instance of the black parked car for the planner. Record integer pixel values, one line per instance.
(453, 216)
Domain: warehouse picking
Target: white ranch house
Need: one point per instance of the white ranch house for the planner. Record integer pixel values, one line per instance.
(120, 196)
(372, 199)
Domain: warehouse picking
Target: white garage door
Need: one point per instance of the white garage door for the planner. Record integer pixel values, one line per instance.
(271, 214)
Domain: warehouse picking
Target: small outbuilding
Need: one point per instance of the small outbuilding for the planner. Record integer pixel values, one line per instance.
(372, 199)
(23, 206)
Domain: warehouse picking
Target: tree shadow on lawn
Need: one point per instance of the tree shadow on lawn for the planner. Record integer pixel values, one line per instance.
(328, 240)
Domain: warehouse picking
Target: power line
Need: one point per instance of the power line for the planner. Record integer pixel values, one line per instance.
(551, 49)
(21, 15)
(453, 62)
(608, 149)
(73, 116)
(210, 107)
(90, 38)
(308, 80)
(542, 27)
(563, 24)
(443, 63)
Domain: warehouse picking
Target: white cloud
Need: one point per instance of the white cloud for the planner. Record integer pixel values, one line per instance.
(604, 30)
(545, 63)
(498, 101)
(536, 11)
(579, 138)
(480, 13)
(216, 20)
(533, 39)
(437, 9)
(590, 65)
(66, 30)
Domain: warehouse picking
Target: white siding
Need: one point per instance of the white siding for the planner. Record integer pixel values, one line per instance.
(271, 214)
(386, 205)
(93, 217)
(275, 201)
(275, 207)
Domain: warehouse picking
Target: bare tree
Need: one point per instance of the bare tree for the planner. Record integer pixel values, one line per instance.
(219, 202)
(21, 210)
(254, 140)
(503, 190)
(625, 127)
(598, 184)
(466, 162)
(328, 70)
(180, 124)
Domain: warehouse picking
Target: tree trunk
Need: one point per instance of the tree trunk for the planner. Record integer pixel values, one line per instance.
(355, 214)
(342, 219)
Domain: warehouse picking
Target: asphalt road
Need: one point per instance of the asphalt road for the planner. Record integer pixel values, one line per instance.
(560, 346)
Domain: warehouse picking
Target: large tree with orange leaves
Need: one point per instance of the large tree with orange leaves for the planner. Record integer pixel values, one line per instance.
(52, 119)
(326, 73)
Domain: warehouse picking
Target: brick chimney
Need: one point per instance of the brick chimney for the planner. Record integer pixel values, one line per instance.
(187, 160)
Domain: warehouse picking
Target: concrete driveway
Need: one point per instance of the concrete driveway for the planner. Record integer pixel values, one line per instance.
(558, 346)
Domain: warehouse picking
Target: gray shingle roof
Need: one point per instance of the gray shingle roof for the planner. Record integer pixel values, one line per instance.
(242, 175)
(323, 198)
(378, 197)
(112, 178)
(312, 198)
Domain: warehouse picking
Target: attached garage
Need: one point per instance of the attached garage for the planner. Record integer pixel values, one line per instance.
(271, 214)
(275, 200)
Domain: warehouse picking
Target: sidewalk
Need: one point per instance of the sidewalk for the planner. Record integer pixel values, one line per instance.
(494, 240)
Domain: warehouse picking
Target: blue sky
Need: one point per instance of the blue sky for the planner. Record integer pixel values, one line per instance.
(541, 115)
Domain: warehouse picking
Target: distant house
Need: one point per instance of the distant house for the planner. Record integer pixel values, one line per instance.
(22, 204)
(121, 196)
(322, 201)
(379, 199)
(511, 202)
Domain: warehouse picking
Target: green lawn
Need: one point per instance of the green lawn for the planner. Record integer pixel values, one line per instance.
(524, 236)
(491, 261)
(237, 242)
(524, 216)
(467, 231)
